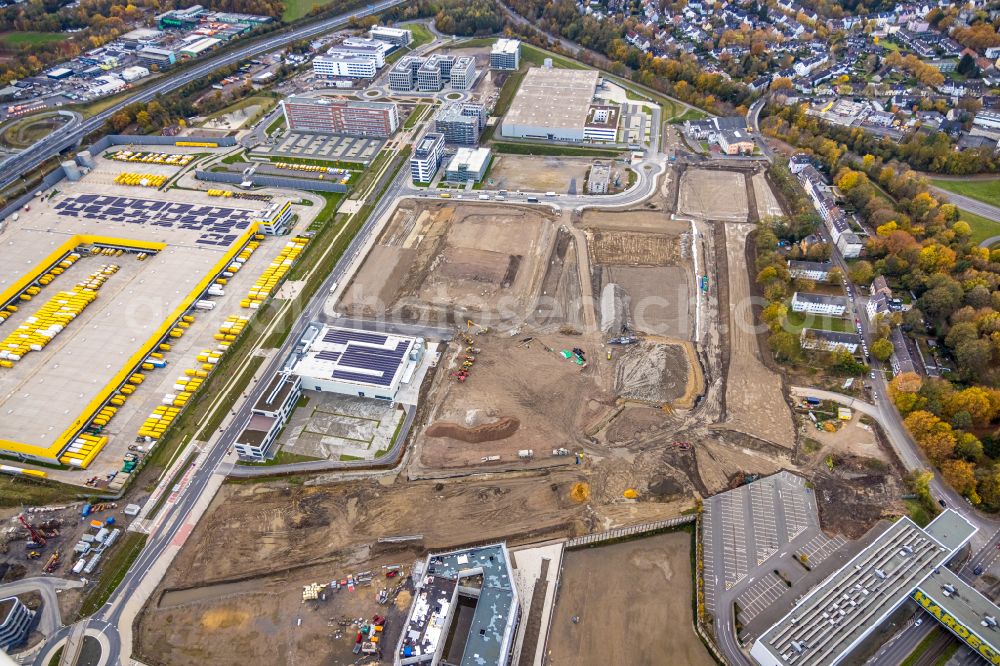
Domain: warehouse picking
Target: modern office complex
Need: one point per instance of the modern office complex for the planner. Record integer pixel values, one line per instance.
(451, 586)
(269, 415)
(327, 115)
(468, 164)
(461, 122)
(17, 622)
(353, 362)
(354, 58)
(506, 55)
(904, 562)
(552, 104)
(395, 36)
(427, 157)
(414, 73)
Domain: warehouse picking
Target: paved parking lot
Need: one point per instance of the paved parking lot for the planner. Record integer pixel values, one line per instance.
(750, 532)
(758, 596)
(332, 147)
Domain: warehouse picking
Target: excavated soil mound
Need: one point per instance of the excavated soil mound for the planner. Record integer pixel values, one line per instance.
(488, 432)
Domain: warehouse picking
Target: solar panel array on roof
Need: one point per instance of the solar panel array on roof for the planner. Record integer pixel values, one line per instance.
(339, 336)
(328, 356)
(219, 224)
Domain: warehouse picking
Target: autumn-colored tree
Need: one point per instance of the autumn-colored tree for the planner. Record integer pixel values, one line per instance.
(961, 476)
(882, 349)
(976, 401)
(904, 391)
(933, 435)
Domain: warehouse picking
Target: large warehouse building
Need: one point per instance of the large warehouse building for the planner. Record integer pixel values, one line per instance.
(552, 104)
(904, 562)
(326, 115)
(354, 362)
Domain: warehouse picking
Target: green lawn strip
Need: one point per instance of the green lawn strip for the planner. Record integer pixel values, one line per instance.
(418, 112)
(345, 457)
(987, 191)
(113, 572)
(917, 512)
(14, 39)
(921, 648)
(511, 148)
(220, 414)
(26, 491)
(982, 227)
(536, 56)
(316, 161)
(796, 321)
(948, 653)
(296, 9)
(421, 34)
(365, 181)
(239, 156)
(273, 127)
(173, 482)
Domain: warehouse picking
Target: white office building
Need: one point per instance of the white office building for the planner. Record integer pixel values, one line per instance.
(820, 304)
(344, 66)
(394, 36)
(850, 245)
(268, 417)
(506, 55)
(427, 157)
(468, 164)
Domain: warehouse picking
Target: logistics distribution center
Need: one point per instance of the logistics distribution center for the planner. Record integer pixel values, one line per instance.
(904, 562)
(558, 105)
(111, 281)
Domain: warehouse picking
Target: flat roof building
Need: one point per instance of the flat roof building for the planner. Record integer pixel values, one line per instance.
(268, 417)
(506, 55)
(818, 338)
(903, 562)
(461, 122)
(810, 270)
(551, 104)
(427, 157)
(468, 164)
(355, 362)
(821, 304)
(327, 115)
(16, 623)
(396, 36)
(599, 178)
(438, 627)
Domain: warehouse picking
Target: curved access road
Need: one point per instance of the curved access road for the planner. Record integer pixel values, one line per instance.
(906, 449)
(50, 620)
(968, 203)
(29, 160)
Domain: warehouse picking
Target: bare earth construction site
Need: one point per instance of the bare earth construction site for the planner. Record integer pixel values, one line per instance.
(535, 424)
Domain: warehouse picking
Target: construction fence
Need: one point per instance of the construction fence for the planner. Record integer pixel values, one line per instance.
(630, 531)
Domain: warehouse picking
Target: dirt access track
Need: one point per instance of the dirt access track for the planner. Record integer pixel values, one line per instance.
(755, 400)
(633, 604)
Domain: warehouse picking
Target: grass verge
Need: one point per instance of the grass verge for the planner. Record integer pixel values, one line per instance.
(23, 491)
(982, 227)
(987, 191)
(418, 113)
(796, 321)
(918, 651)
(918, 512)
(220, 414)
(511, 148)
(267, 103)
(113, 572)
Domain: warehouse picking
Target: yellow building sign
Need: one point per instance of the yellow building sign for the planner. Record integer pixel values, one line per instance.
(957, 628)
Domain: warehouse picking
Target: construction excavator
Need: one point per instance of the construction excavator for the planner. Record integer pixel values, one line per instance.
(36, 536)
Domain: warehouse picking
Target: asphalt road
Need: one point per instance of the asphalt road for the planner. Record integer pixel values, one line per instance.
(969, 204)
(106, 620)
(50, 621)
(30, 159)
